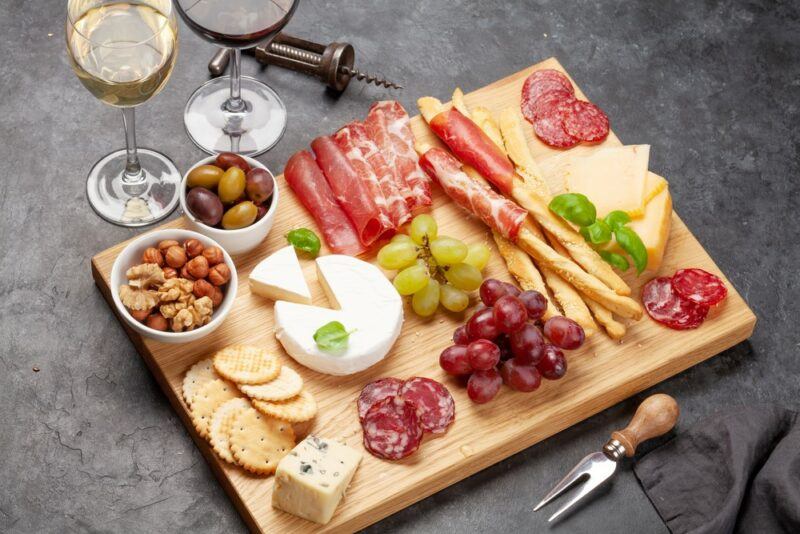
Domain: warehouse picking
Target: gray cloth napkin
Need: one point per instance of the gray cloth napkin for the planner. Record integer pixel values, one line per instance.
(734, 472)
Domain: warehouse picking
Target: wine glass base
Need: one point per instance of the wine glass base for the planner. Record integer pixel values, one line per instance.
(252, 131)
(143, 202)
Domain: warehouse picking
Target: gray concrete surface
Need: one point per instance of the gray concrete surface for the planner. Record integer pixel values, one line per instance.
(89, 443)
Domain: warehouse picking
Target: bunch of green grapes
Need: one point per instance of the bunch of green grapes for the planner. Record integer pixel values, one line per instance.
(434, 269)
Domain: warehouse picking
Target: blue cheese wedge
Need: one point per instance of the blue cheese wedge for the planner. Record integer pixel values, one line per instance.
(311, 480)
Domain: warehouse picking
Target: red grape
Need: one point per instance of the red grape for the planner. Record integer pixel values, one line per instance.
(454, 360)
(511, 289)
(509, 314)
(482, 326)
(519, 376)
(553, 364)
(527, 344)
(535, 303)
(564, 333)
(460, 336)
(484, 385)
(483, 354)
(492, 289)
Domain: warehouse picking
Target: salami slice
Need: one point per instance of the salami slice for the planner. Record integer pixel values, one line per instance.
(391, 429)
(435, 406)
(543, 81)
(699, 286)
(549, 103)
(667, 307)
(550, 130)
(376, 391)
(586, 121)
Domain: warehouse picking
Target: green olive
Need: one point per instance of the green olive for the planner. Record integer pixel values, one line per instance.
(241, 215)
(207, 176)
(231, 185)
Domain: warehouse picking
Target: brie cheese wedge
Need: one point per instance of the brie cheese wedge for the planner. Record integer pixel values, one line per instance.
(279, 277)
(366, 304)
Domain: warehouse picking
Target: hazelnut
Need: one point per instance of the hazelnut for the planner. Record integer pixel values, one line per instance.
(152, 255)
(213, 255)
(175, 256)
(186, 274)
(140, 315)
(157, 322)
(198, 267)
(216, 297)
(169, 272)
(164, 245)
(202, 288)
(219, 274)
(193, 247)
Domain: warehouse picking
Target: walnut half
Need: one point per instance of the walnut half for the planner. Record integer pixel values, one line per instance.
(137, 299)
(145, 276)
(194, 316)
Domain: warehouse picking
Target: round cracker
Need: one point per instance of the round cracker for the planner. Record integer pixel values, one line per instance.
(196, 377)
(219, 430)
(298, 409)
(206, 401)
(284, 386)
(245, 364)
(259, 442)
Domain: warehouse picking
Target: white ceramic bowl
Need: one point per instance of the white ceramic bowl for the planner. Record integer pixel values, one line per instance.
(234, 241)
(132, 255)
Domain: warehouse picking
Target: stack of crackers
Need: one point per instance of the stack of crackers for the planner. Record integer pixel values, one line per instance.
(243, 401)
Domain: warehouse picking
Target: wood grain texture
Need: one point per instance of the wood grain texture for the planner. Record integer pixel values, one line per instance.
(601, 374)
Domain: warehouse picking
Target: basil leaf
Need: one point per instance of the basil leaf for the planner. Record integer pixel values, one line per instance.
(575, 208)
(632, 244)
(305, 240)
(332, 337)
(617, 219)
(596, 233)
(616, 260)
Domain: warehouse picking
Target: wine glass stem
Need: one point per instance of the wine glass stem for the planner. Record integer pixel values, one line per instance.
(133, 171)
(235, 103)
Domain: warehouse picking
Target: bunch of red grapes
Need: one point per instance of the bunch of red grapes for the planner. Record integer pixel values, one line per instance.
(502, 342)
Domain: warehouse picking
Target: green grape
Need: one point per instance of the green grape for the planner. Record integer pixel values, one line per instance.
(426, 300)
(421, 226)
(397, 255)
(478, 255)
(401, 238)
(447, 250)
(453, 299)
(411, 279)
(464, 276)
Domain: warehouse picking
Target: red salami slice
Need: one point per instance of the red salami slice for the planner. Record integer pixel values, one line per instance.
(391, 429)
(543, 81)
(435, 406)
(699, 286)
(550, 129)
(549, 103)
(667, 307)
(586, 121)
(376, 391)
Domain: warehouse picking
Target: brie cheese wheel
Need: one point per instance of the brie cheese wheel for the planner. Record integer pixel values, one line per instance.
(279, 277)
(366, 303)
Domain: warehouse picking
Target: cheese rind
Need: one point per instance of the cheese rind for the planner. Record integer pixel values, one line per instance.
(279, 277)
(311, 480)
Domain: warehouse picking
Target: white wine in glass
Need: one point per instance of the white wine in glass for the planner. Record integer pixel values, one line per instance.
(123, 53)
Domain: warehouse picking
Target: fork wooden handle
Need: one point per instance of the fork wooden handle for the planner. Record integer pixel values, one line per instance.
(654, 417)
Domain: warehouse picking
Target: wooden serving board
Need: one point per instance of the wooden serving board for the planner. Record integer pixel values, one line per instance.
(601, 374)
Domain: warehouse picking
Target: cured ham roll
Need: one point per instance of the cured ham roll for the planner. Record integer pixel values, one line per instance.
(472, 146)
(309, 184)
(496, 211)
(389, 126)
(354, 135)
(350, 191)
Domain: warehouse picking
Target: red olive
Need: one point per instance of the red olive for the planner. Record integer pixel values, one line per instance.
(259, 185)
(225, 160)
(204, 205)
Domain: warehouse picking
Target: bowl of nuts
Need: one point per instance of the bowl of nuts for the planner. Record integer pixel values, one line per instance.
(173, 285)
(231, 199)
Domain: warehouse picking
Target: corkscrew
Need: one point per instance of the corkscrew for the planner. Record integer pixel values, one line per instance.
(333, 64)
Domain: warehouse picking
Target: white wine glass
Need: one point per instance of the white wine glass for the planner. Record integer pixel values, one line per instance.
(235, 113)
(123, 53)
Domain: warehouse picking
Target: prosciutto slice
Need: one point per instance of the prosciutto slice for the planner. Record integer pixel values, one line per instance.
(352, 194)
(309, 185)
(496, 211)
(469, 144)
(389, 126)
(344, 138)
(355, 134)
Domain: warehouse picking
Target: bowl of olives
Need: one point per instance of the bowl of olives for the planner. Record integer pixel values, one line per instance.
(231, 199)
